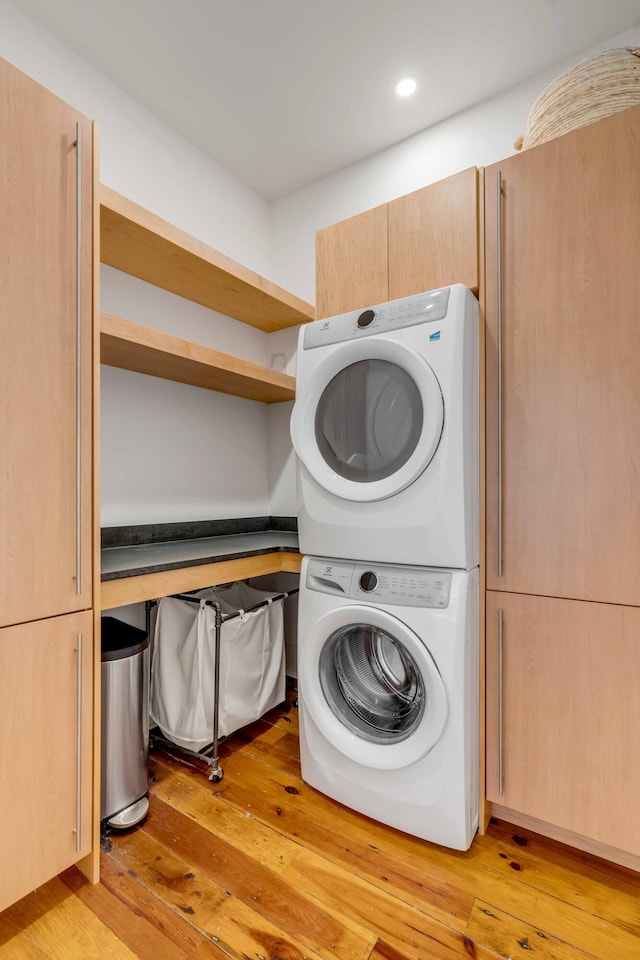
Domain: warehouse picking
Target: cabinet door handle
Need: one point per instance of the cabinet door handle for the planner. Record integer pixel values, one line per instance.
(78, 359)
(500, 708)
(78, 829)
(499, 301)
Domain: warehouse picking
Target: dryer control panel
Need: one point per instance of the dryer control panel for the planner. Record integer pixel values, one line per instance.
(382, 318)
(388, 585)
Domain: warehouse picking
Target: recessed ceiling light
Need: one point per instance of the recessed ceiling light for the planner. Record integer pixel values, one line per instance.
(406, 86)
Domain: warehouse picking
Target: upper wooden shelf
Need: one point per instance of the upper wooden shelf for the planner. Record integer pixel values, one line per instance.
(138, 242)
(133, 346)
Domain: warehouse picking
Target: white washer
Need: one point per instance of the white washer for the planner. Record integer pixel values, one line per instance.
(388, 687)
(385, 430)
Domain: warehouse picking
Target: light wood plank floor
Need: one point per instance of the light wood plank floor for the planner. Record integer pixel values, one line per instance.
(261, 866)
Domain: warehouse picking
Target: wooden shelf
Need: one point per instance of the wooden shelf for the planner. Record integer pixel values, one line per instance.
(149, 586)
(133, 346)
(144, 245)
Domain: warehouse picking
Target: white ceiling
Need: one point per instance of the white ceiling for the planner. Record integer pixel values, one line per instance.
(284, 92)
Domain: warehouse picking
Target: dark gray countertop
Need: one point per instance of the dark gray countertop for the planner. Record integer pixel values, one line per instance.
(129, 535)
(136, 560)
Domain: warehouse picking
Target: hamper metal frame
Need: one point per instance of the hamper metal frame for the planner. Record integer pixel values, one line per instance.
(209, 753)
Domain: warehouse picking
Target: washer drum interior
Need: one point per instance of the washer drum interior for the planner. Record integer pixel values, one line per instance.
(372, 683)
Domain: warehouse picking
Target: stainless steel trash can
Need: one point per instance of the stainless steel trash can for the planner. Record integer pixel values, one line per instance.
(125, 724)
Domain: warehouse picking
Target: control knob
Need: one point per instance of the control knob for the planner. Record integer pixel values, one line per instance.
(366, 317)
(368, 581)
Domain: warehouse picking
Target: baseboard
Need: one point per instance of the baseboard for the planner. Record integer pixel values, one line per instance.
(594, 847)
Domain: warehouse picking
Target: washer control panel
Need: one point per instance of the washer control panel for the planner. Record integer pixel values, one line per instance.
(388, 585)
(381, 318)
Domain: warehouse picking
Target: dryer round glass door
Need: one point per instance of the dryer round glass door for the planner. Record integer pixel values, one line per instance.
(372, 687)
(369, 420)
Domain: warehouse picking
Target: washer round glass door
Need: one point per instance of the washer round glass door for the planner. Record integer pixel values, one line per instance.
(369, 420)
(372, 687)
(372, 683)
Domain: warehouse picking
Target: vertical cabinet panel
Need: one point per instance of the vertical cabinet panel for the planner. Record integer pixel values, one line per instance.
(433, 236)
(40, 355)
(352, 264)
(570, 366)
(571, 714)
(45, 746)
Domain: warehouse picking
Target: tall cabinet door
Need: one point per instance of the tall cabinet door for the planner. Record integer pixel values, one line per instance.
(45, 374)
(569, 468)
(45, 745)
(352, 269)
(563, 714)
(433, 236)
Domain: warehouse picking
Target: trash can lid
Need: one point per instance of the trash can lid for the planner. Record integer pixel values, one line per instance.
(121, 640)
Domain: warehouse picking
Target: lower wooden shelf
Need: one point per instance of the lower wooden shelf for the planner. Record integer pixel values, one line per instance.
(133, 346)
(150, 586)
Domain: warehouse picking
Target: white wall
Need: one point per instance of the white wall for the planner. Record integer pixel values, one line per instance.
(282, 480)
(169, 452)
(477, 137)
(140, 156)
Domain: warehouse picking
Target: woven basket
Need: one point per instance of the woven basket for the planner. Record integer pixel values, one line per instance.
(599, 86)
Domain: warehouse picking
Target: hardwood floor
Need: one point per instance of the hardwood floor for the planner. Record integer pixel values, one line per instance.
(262, 866)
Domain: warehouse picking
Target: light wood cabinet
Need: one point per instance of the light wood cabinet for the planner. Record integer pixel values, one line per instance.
(570, 366)
(424, 240)
(433, 236)
(562, 300)
(352, 268)
(45, 380)
(46, 711)
(570, 714)
(48, 671)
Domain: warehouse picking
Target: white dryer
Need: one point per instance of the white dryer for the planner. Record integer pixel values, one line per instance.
(388, 688)
(385, 431)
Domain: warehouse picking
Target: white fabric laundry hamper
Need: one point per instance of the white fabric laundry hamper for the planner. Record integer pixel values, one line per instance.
(252, 663)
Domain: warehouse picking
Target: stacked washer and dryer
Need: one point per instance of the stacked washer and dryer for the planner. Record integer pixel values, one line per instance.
(385, 431)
